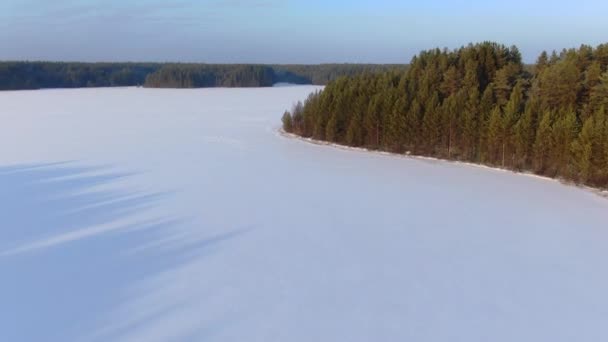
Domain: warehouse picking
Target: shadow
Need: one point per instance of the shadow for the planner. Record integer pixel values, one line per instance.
(74, 239)
(171, 302)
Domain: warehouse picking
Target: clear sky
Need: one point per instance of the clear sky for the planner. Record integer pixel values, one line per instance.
(287, 31)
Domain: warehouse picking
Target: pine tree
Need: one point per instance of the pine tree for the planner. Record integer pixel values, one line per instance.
(598, 94)
(510, 118)
(412, 126)
(471, 76)
(486, 105)
(554, 58)
(450, 113)
(297, 118)
(502, 86)
(582, 151)
(287, 123)
(541, 62)
(493, 135)
(470, 125)
(354, 134)
(592, 79)
(564, 132)
(396, 126)
(560, 85)
(600, 146)
(331, 129)
(431, 124)
(451, 82)
(524, 138)
(475, 103)
(542, 144)
(372, 122)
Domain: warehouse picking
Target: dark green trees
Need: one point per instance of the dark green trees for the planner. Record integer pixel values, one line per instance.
(478, 104)
(287, 122)
(234, 75)
(37, 75)
(201, 75)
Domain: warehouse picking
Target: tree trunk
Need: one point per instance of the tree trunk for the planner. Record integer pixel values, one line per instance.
(503, 154)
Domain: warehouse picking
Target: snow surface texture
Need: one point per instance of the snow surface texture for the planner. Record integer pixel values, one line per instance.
(133, 214)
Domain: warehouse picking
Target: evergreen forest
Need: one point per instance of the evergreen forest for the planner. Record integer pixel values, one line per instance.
(40, 75)
(479, 104)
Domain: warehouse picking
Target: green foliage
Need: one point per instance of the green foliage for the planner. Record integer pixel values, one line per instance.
(493, 136)
(524, 139)
(542, 144)
(582, 150)
(202, 75)
(564, 133)
(287, 122)
(479, 104)
(37, 75)
(322, 74)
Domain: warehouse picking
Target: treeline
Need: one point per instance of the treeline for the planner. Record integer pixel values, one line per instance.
(477, 104)
(210, 75)
(38, 75)
(202, 76)
(322, 74)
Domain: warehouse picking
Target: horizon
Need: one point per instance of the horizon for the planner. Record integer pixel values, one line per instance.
(290, 170)
(525, 59)
(280, 32)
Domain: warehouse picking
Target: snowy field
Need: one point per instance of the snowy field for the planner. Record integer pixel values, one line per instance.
(182, 215)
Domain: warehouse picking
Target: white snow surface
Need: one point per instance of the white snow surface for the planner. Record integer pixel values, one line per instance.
(131, 214)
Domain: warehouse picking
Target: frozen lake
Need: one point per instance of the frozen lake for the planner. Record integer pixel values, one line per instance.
(133, 214)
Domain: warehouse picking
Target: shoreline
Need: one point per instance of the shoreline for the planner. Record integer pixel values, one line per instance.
(597, 191)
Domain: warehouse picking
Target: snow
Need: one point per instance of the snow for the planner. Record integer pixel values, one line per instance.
(132, 214)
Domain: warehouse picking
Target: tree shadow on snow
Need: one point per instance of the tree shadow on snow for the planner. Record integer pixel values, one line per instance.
(73, 240)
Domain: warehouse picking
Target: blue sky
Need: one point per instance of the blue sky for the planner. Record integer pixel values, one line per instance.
(287, 31)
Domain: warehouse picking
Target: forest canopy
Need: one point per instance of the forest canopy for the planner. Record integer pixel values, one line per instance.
(478, 103)
(234, 75)
(201, 76)
(39, 75)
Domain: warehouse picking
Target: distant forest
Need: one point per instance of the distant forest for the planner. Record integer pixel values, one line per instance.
(477, 104)
(38, 75)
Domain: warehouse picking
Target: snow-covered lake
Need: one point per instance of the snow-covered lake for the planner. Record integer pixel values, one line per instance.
(181, 215)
